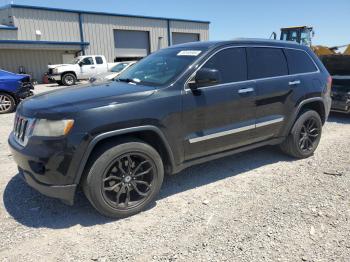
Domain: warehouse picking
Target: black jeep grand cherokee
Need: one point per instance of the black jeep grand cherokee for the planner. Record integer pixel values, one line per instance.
(177, 107)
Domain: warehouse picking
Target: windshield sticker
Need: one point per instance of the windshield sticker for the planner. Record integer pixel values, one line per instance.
(189, 53)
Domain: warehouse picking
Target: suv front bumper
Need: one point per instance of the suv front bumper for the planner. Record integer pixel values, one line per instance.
(45, 169)
(54, 77)
(64, 193)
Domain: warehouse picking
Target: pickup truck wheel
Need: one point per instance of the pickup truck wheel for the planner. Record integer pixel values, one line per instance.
(124, 179)
(69, 79)
(7, 103)
(305, 135)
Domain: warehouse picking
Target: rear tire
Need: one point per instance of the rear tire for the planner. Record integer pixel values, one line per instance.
(69, 79)
(123, 179)
(7, 103)
(304, 136)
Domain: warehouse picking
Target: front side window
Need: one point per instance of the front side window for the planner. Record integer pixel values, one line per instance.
(266, 62)
(161, 67)
(231, 64)
(88, 61)
(299, 62)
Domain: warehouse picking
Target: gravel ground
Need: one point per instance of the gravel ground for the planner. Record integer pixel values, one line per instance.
(255, 206)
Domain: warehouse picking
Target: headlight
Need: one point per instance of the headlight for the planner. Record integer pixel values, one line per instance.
(52, 128)
(55, 71)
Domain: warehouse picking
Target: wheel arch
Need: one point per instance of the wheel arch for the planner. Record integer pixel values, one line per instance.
(149, 134)
(13, 95)
(316, 103)
(8, 93)
(69, 72)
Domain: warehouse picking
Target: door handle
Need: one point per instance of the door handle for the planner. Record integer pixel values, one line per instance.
(92, 67)
(245, 90)
(296, 82)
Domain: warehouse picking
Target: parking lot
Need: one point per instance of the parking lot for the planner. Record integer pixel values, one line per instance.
(255, 206)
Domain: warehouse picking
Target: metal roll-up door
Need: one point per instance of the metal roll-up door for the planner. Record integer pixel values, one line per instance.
(131, 43)
(180, 38)
(32, 62)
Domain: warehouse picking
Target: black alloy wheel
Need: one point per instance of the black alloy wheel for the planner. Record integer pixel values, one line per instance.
(305, 135)
(123, 178)
(309, 135)
(128, 181)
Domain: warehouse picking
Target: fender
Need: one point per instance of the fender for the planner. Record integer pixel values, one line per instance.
(109, 134)
(297, 111)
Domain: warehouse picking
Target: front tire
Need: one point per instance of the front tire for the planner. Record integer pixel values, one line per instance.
(124, 179)
(69, 79)
(305, 136)
(7, 103)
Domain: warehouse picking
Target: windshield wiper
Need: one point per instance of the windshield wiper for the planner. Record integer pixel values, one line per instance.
(126, 80)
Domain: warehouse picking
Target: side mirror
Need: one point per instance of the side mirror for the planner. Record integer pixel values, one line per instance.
(81, 63)
(205, 77)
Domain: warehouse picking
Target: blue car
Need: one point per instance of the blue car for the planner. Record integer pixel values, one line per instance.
(13, 88)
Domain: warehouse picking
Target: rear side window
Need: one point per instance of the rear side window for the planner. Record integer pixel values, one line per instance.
(99, 60)
(231, 63)
(266, 62)
(299, 62)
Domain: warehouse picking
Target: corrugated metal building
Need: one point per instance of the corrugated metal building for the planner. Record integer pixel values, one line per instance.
(32, 37)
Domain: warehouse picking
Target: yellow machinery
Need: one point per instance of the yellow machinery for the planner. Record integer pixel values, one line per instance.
(337, 63)
(347, 50)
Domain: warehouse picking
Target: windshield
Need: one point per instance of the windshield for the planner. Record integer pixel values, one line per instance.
(74, 61)
(119, 67)
(161, 67)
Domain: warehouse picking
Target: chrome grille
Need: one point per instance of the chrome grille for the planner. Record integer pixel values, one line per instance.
(21, 129)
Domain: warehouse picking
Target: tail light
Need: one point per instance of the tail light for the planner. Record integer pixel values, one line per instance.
(329, 84)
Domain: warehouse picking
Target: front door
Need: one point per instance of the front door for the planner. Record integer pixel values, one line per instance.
(222, 116)
(88, 68)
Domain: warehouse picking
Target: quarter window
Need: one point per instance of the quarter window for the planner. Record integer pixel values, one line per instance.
(99, 60)
(266, 62)
(299, 62)
(231, 64)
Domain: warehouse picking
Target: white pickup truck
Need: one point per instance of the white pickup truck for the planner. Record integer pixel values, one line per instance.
(81, 68)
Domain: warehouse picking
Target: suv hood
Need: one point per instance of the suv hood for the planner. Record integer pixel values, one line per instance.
(73, 99)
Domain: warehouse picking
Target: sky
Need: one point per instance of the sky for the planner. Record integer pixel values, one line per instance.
(231, 19)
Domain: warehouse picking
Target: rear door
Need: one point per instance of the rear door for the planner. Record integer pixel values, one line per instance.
(269, 68)
(101, 65)
(221, 116)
